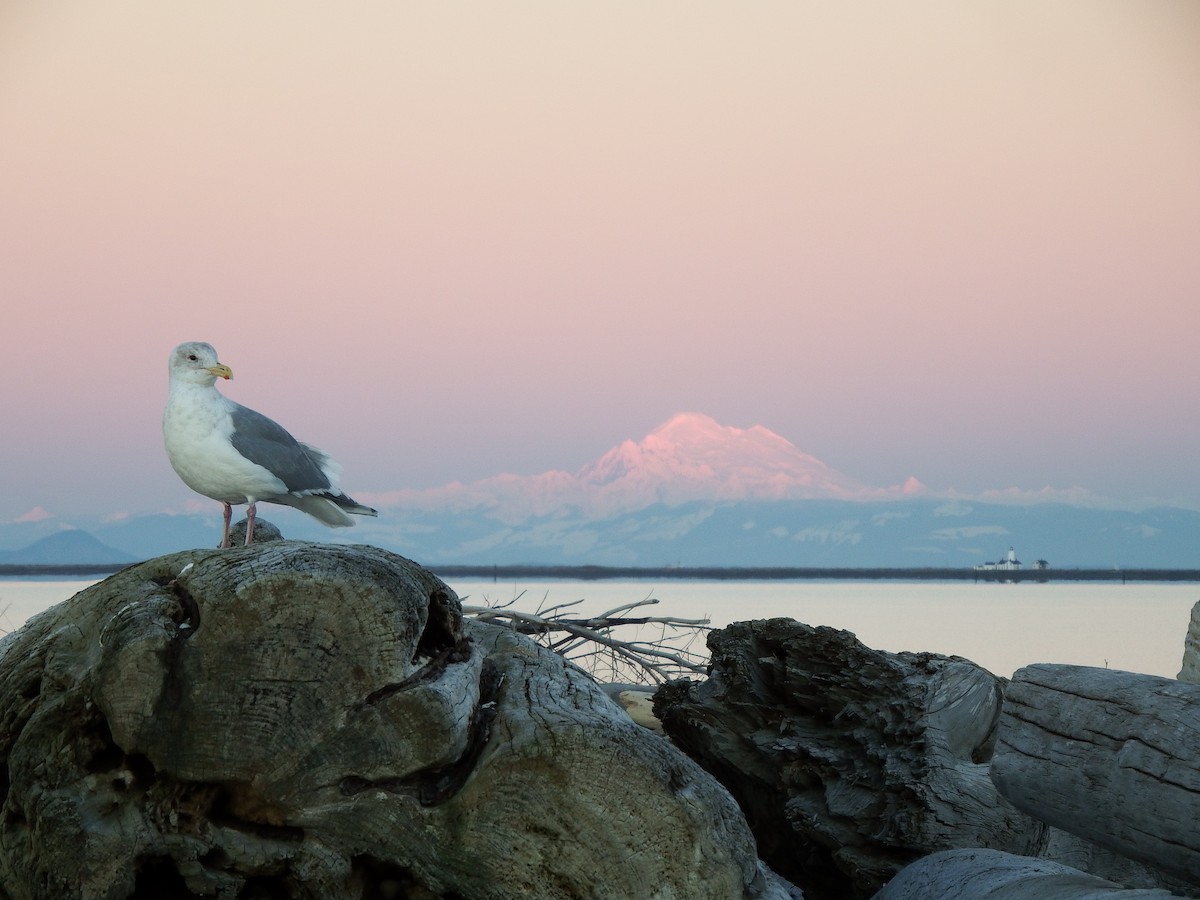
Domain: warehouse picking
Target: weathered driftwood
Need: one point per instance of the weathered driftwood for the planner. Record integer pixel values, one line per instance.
(1110, 756)
(995, 875)
(849, 762)
(1080, 853)
(1190, 671)
(309, 720)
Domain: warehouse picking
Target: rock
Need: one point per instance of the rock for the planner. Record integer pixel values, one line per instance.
(849, 762)
(318, 721)
(1191, 649)
(264, 532)
(1109, 756)
(994, 875)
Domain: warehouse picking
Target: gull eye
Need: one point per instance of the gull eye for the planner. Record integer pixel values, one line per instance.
(192, 357)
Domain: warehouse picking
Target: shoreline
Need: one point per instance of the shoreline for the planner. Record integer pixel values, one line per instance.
(811, 573)
(710, 573)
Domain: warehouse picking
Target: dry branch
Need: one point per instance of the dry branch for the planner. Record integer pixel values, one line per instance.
(589, 642)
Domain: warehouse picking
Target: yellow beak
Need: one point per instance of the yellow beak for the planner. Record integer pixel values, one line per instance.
(221, 371)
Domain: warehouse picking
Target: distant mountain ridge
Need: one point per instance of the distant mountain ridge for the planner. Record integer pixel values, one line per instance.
(69, 547)
(689, 458)
(692, 492)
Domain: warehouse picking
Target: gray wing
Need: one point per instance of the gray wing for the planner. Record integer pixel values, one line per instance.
(268, 444)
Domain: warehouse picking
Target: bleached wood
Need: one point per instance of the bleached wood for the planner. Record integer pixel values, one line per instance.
(994, 875)
(1110, 756)
(1190, 669)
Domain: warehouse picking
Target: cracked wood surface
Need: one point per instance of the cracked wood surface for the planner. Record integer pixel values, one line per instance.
(1190, 669)
(994, 875)
(1110, 756)
(850, 762)
(311, 720)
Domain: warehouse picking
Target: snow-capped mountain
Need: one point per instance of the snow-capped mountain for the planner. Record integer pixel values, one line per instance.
(694, 492)
(693, 455)
(688, 458)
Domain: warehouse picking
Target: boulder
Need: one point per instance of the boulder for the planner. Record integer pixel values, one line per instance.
(317, 721)
(264, 532)
(849, 762)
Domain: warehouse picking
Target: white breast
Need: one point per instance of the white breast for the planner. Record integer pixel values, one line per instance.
(196, 430)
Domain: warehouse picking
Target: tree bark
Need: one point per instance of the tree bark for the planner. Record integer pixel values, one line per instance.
(850, 762)
(1110, 756)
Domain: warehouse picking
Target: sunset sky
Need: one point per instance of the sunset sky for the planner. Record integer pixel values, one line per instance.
(955, 241)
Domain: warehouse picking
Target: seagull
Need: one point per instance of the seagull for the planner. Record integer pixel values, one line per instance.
(233, 454)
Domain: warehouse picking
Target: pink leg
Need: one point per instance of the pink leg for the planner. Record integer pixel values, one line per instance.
(250, 511)
(225, 533)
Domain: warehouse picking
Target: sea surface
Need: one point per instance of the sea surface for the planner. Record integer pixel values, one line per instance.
(1137, 627)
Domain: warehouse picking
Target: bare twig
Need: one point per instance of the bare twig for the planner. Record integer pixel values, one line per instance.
(589, 641)
(552, 609)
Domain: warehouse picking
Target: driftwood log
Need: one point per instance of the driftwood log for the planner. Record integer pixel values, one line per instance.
(849, 762)
(994, 875)
(314, 721)
(1190, 669)
(1109, 756)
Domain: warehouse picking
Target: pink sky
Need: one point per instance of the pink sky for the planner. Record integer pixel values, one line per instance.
(956, 241)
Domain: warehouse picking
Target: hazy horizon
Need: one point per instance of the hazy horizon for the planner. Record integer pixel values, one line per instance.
(447, 242)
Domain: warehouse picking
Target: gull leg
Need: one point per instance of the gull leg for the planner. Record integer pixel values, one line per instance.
(225, 533)
(250, 511)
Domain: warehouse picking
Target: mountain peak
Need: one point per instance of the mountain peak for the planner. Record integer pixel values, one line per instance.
(689, 425)
(691, 457)
(697, 430)
(67, 547)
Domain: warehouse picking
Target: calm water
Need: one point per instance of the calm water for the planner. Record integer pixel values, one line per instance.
(21, 599)
(1136, 627)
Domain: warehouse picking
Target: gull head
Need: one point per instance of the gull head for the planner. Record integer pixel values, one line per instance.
(196, 363)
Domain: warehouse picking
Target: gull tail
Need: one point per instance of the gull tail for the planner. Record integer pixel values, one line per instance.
(329, 508)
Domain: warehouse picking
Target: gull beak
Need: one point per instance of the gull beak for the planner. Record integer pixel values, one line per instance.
(220, 371)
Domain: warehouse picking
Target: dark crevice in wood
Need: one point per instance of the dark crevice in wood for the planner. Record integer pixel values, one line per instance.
(128, 771)
(159, 877)
(190, 623)
(271, 887)
(189, 618)
(436, 785)
(443, 625)
(235, 806)
(380, 880)
(458, 652)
